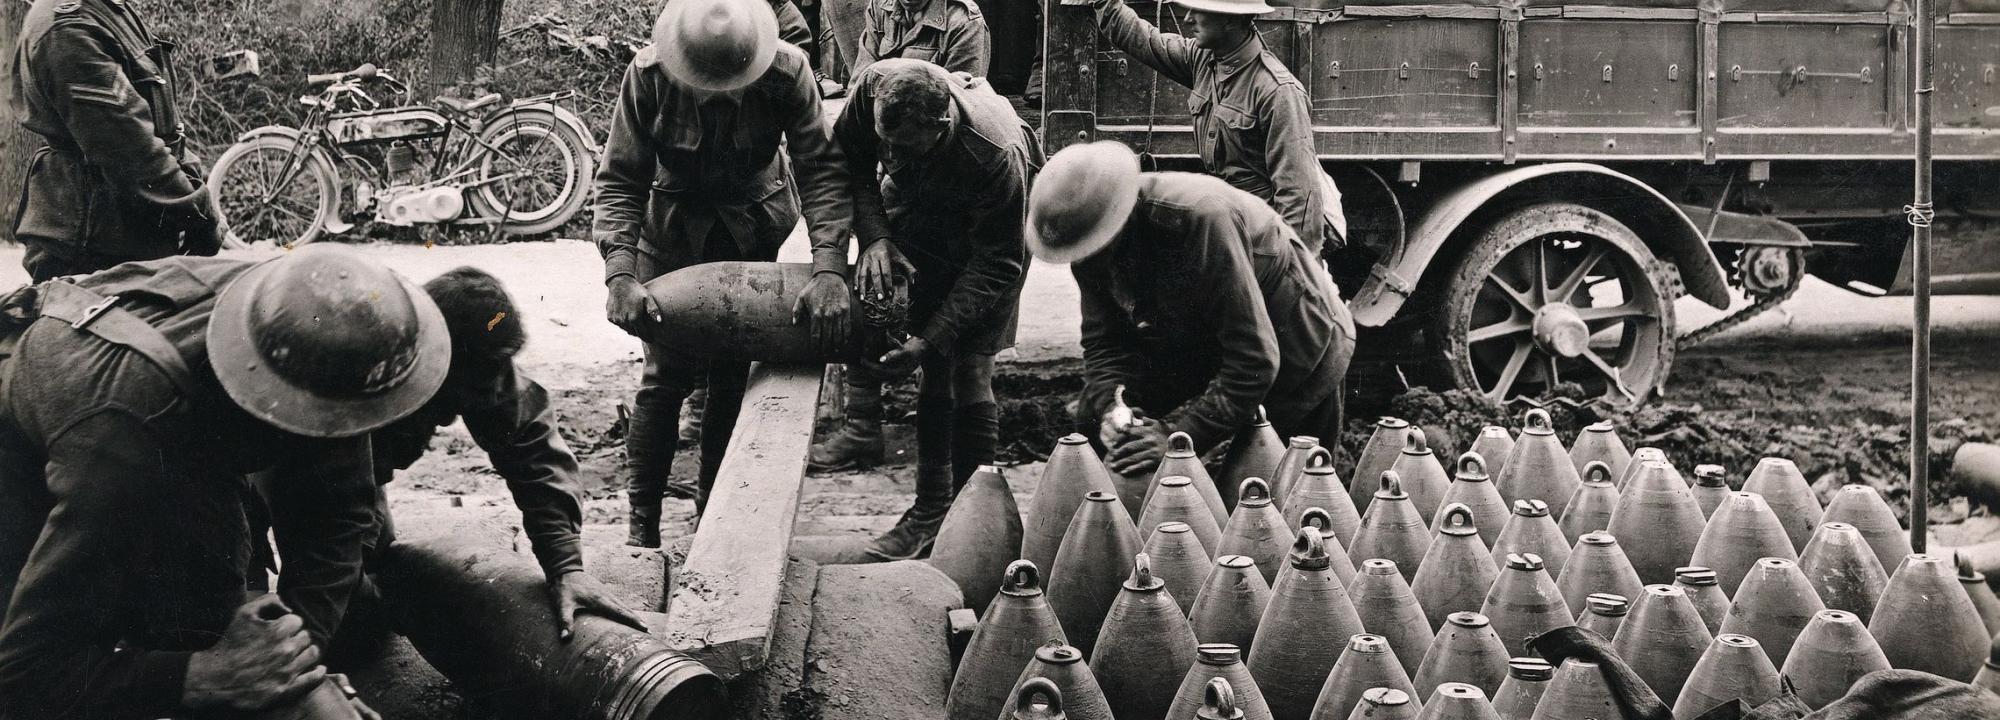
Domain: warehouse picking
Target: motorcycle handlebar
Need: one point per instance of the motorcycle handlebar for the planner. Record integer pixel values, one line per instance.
(367, 71)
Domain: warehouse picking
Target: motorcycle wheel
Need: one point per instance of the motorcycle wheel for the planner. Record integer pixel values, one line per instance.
(555, 166)
(247, 173)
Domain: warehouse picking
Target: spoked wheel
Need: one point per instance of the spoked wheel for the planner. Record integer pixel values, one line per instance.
(547, 169)
(1558, 293)
(268, 188)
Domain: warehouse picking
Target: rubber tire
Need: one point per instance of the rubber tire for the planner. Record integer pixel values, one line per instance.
(1448, 325)
(583, 167)
(317, 163)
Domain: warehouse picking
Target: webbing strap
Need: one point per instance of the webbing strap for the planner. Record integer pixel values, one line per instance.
(87, 311)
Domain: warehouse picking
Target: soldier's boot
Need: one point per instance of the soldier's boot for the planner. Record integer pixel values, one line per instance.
(914, 532)
(642, 523)
(857, 443)
(691, 412)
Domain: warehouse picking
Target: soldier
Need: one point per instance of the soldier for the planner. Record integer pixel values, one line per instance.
(112, 181)
(508, 416)
(695, 172)
(1198, 299)
(135, 402)
(960, 160)
(1252, 118)
(949, 33)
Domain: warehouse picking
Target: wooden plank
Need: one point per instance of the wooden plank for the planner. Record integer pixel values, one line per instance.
(730, 590)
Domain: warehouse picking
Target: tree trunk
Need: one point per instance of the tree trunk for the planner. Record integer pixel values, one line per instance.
(464, 35)
(16, 143)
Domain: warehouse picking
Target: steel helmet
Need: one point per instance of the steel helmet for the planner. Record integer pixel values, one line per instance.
(1227, 7)
(716, 45)
(325, 343)
(1081, 200)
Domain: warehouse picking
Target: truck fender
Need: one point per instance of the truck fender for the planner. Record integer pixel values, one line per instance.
(1663, 226)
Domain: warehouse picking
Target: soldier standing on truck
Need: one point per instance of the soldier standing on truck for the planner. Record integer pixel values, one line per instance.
(132, 405)
(1252, 118)
(1198, 300)
(695, 172)
(957, 162)
(948, 33)
(112, 181)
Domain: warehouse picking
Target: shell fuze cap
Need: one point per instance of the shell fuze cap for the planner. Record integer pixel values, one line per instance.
(322, 342)
(716, 45)
(1227, 7)
(1081, 200)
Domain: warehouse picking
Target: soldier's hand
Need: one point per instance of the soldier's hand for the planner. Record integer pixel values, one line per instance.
(264, 657)
(1138, 449)
(629, 307)
(902, 360)
(823, 308)
(202, 237)
(875, 273)
(577, 590)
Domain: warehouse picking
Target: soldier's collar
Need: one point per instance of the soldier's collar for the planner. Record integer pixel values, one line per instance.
(1230, 62)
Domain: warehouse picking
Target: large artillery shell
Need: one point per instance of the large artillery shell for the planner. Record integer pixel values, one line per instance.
(1599, 442)
(1180, 561)
(1843, 570)
(1662, 639)
(1658, 521)
(1381, 451)
(1863, 507)
(1605, 613)
(1392, 529)
(1830, 656)
(1472, 487)
(1063, 665)
(744, 306)
(1144, 648)
(1926, 622)
(1742, 531)
(1386, 704)
(1531, 529)
(1091, 567)
(1457, 570)
(1366, 664)
(1319, 487)
(1388, 608)
(1590, 508)
(1791, 498)
(1254, 453)
(1494, 445)
(1733, 668)
(1310, 611)
(1457, 701)
(1981, 594)
(1174, 499)
(1700, 585)
(1579, 691)
(1466, 650)
(980, 537)
(1597, 565)
(1231, 603)
(1218, 660)
(1527, 679)
(1423, 477)
(1017, 624)
(1774, 605)
(1073, 471)
(1257, 529)
(1524, 603)
(1710, 489)
(1290, 466)
(1540, 469)
(1181, 459)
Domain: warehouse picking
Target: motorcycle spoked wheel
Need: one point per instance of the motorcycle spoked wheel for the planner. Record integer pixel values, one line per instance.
(296, 214)
(556, 166)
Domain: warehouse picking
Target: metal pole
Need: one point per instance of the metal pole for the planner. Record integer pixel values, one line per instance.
(1920, 215)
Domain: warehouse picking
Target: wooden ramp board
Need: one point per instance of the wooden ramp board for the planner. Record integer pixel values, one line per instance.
(726, 600)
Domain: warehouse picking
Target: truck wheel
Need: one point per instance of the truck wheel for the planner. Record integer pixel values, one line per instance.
(1557, 293)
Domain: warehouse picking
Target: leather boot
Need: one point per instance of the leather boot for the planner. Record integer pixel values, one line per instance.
(642, 525)
(691, 412)
(912, 536)
(858, 442)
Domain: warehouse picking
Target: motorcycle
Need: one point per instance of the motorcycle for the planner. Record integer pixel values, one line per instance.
(521, 167)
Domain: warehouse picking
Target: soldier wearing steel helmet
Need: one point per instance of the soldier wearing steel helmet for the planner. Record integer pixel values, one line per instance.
(1198, 299)
(133, 402)
(696, 171)
(1252, 117)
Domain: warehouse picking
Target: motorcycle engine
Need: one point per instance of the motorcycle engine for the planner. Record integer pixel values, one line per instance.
(404, 206)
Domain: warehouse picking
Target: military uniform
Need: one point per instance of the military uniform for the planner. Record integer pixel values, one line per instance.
(691, 178)
(124, 541)
(509, 416)
(1252, 120)
(956, 214)
(1207, 305)
(948, 33)
(108, 185)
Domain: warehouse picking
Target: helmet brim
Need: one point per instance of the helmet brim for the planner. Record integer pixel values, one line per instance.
(1094, 240)
(1227, 7)
(249, 381)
